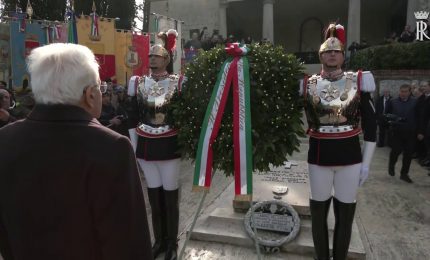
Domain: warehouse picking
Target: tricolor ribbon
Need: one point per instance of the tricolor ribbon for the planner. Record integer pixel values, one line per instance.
(234, 71)
(94, 24)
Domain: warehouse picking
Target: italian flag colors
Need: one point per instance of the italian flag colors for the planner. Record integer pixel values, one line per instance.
(234, 72)
(94, 24)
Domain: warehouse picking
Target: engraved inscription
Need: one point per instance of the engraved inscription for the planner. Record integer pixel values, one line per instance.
(285, 176)
(273, 222)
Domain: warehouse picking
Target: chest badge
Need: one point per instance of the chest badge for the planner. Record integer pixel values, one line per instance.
(330, 92)
(156, 90)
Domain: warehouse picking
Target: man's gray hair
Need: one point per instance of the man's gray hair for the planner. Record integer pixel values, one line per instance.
(61, 71)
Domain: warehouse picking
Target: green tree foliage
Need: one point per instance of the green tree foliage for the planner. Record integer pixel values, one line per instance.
(42, 9)
(396, 56)
(123, 9)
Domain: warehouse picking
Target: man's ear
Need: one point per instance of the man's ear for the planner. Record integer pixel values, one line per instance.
(89, 97)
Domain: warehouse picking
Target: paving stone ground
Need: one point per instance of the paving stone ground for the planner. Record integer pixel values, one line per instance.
(393, 216)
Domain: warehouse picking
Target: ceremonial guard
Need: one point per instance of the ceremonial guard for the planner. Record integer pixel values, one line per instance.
(336, 102)
(155, 142)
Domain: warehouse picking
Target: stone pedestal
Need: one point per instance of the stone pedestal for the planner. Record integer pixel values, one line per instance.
(223, 225)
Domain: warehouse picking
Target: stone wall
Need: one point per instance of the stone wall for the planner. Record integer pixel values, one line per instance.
(393, 79)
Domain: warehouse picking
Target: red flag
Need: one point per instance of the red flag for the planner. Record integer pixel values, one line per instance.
(141, 47)
(107, 65)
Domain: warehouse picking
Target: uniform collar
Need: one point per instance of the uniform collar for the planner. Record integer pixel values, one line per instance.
(159, 76)
(59, 112)
(333, 75)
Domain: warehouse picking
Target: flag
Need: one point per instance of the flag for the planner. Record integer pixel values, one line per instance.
(4, 51)
(72, 31)
(140, 45)
(22, 43)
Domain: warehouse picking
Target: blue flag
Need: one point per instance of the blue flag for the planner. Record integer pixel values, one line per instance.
(22, 42)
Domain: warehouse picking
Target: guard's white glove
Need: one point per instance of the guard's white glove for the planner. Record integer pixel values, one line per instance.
(367, 152)
(133, 138)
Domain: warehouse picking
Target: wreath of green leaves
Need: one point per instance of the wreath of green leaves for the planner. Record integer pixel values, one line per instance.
(276, 107)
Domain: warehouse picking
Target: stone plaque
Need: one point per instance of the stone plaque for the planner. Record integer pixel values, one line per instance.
(267, 185)
(273, 222)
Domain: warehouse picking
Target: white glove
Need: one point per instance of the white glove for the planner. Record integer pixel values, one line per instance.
(133, 138)
(367, 152)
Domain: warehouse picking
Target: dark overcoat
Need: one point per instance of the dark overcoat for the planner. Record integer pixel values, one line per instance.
(69, 189)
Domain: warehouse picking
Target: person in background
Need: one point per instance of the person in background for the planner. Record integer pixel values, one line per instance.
(194, 43)
(407, 35)
(73, 189)
(108, 116)
(5, 107)
(420, 147)
(423, 111)
(381, 105)
(404, 131)
(120, 107)
(3, 84)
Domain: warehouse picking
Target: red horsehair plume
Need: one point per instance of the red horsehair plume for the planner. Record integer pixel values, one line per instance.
(171, 40)
(336, 30)
(340, 34)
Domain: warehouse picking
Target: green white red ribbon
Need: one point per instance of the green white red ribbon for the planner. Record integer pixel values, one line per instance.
(234, 71)
(94, 24)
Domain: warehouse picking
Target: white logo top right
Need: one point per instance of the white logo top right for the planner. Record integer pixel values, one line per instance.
(422, 25)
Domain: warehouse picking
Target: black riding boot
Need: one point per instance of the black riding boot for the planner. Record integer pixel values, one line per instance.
(319, 212)
(344, 216)
(156, 199)
(172, 210)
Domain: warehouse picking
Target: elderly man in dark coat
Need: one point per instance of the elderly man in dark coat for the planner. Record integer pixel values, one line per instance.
(69, 187)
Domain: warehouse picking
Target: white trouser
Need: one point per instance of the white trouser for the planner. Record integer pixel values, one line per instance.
(161, 173)
(343, 179)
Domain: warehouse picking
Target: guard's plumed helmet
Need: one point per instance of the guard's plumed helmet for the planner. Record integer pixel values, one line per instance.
(158, 50)
(169, 44)
(167, 49)
(334, 39)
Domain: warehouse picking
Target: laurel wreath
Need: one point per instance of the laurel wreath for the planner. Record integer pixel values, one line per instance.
(276, 107)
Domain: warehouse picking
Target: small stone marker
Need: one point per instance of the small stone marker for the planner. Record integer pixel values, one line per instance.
(280, 190)
(289, 164)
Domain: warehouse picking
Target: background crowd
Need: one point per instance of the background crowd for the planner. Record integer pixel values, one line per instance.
(404, 125)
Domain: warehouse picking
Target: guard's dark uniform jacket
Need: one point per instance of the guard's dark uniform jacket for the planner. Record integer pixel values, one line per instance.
(334, 110)
(157, 140)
